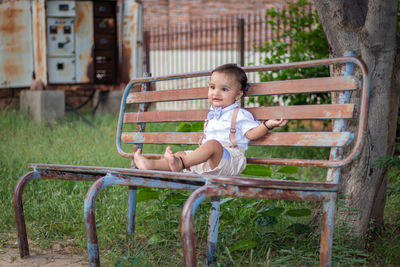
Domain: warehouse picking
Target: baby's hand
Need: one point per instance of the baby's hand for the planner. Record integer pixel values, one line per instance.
(276, 123)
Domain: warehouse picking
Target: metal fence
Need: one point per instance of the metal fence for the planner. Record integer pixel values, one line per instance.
(203, 45)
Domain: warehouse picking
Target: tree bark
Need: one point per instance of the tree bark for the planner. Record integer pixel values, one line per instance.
(368, 28)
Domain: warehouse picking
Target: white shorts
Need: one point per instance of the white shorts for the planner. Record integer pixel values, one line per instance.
(232, 163)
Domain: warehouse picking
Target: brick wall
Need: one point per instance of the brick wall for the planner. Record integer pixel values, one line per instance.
(172, 12)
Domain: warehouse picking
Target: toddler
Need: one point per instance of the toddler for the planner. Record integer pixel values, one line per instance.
(227, 131)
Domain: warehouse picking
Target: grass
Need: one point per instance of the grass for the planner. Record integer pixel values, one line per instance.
(252, 232)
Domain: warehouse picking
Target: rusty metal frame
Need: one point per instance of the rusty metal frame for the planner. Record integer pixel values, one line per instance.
(43, 173)
(120, 176)
(328, 197)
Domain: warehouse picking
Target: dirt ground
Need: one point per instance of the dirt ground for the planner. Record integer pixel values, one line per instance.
(56, 255)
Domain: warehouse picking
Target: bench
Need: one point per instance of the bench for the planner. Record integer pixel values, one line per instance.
(211, 186)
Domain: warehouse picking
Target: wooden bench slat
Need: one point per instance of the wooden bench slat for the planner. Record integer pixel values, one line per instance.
(301, 112)
(314, 85)
(318, 139)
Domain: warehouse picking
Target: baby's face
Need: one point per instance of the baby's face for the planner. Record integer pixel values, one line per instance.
(223, 90)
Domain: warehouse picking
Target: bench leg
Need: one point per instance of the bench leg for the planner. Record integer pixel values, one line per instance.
(131, 216)
(89, 214)
(213, 230)
(19, 214)
(327, 228)
(187, 231)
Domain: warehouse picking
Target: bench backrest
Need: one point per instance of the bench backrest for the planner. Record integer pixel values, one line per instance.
(339, 112)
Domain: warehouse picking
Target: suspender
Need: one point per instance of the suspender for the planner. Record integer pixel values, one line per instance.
(232, 130)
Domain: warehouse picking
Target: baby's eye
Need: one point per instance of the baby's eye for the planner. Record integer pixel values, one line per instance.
(225, 89)
(212, 87)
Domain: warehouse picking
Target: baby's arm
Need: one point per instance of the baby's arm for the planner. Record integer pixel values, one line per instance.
(264, 128)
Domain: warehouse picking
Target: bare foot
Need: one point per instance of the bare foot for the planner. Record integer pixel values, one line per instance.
(174, 162)
(140, 161)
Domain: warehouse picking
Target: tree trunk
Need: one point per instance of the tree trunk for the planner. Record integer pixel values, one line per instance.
(369, 29)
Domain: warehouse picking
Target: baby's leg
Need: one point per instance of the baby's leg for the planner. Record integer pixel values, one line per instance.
(146, 164)
(175, 161)
(210, 151)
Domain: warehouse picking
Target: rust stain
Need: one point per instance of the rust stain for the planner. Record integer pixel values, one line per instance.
(82, 24)
(90, 66)
(81, 17)
(125, 64)
(39, 39)
(10, 22)
(14, 43)
(11, 68)
(133, 10)
(129, 22)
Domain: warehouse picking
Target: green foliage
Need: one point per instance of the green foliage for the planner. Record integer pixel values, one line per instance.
(300, 37)
(190, 126)
(257, 170)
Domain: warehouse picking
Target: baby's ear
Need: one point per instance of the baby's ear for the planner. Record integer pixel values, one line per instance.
(240, 94)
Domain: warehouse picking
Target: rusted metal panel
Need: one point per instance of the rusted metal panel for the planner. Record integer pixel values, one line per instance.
(60, 29)
(16, 54)
(130, 40)
(63, 69)
(60, 36)
(61, 8)
(39, 39)
(84, 42)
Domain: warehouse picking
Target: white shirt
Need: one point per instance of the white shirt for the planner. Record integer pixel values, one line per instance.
(219, 129)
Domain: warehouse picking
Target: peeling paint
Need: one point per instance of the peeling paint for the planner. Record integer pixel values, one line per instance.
(84, 42)
(39, 40)
(93, 251)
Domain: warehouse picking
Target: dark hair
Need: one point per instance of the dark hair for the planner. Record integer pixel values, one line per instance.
(236, 71)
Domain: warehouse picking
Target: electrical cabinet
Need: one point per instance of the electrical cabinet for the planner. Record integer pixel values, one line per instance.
(61, 17)
(105, 52)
